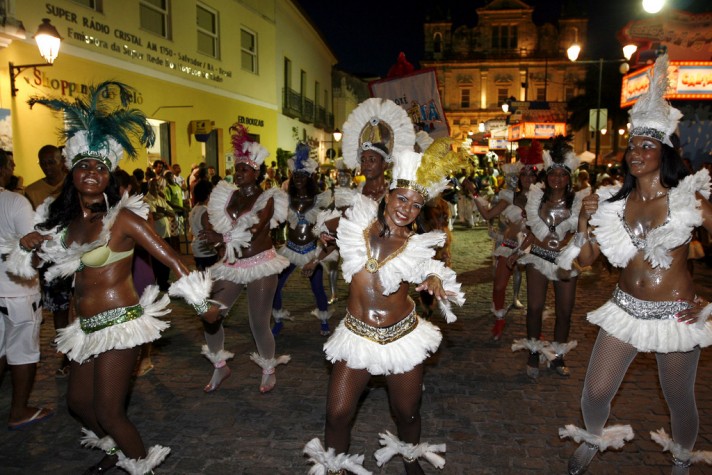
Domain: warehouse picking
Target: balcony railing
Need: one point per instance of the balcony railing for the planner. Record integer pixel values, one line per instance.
(296, 106)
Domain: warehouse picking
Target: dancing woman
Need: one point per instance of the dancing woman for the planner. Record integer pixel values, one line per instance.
(241, 216)
(552, 211)
(382, 334)
(510, 208)
(90, 231)
(645, 227)
(302, 247)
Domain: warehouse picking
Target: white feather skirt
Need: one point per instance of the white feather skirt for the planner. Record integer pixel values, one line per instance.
(244, 271)
(80, 346)
(397, 357)
(299, 260)
(660, 336)
(550, 270)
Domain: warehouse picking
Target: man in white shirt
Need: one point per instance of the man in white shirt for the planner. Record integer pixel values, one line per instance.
(20, 308)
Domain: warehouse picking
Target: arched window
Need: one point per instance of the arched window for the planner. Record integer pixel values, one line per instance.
(438, 43)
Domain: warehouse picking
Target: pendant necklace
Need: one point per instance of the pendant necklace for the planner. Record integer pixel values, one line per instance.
(372, 265)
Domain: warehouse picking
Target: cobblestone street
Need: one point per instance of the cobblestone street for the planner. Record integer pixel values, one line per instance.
(477, 397)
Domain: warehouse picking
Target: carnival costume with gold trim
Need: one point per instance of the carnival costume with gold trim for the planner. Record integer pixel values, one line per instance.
(296, 255)
(237, 234)
(659, 333)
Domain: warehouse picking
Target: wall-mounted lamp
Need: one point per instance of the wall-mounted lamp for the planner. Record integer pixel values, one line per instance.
(337, 135)
(48, 41)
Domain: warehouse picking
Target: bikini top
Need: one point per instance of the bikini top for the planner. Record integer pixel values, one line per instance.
(103, 256)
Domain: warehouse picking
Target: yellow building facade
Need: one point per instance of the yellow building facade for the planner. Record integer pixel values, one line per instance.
(198, 67)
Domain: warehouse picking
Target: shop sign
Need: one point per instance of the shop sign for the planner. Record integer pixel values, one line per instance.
(688, 80)
(536, 130)
(498, 144)
(132, 46)
(248, 121)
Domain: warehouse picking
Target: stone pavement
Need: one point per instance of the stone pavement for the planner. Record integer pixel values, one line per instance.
(477, 397)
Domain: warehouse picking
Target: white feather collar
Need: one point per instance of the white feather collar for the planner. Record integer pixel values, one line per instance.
(321, 202)
(685, 215)
(67, 260)
(538, 226)
(223, 223)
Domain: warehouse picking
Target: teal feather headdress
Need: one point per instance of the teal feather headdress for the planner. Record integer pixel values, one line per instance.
(99, 128)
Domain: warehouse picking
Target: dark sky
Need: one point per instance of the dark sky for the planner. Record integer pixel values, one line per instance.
(367, 35)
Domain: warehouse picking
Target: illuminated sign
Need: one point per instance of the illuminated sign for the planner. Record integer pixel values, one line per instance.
(688, 80)
(535, 130)
(498, 144)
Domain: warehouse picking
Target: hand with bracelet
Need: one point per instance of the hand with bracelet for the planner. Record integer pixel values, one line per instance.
(32, 241)
(699, 311)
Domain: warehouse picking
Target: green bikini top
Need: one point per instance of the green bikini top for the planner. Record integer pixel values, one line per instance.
(103, 256)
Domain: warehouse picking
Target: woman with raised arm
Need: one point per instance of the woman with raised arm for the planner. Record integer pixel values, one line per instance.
(241, 216)
(510, 209)
(90, 231)
(644, 227)
(382, 334)
(303, 248)
(552, 211)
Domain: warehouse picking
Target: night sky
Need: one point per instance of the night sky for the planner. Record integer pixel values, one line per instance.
(367, 35)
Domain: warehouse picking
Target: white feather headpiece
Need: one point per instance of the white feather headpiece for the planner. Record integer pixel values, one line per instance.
(377, 122)
(244, 150)
(423, 140)
(561, 155)
(653, 116)
(512, 168)
(426, 172)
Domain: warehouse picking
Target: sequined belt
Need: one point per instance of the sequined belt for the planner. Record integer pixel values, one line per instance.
(510, 243)
(647, 309)
(382, 335)
(252, 261)
(301, 248)
(109, 318)
(546, 254)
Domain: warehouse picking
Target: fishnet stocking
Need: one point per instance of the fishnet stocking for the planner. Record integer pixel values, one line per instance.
(97, 395)
(565, 297)
(609, 362)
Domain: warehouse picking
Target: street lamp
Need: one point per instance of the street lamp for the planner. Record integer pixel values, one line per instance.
(573, 52)
(653, 6)
(48, 41)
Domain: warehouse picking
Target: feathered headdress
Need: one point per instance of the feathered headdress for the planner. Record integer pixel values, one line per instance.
(652, 116)
(423, 140)
(531, 156)
(244, 150)
(96, 127)
(561, 156)
(426, 172)
(377, 124)
(301, 161)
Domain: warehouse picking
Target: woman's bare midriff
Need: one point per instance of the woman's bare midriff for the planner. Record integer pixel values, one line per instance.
(368, 304)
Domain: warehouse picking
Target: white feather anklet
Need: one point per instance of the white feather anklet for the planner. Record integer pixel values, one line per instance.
(392, 445)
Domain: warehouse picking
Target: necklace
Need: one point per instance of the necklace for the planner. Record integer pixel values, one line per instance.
(248, 190)
(372, 265)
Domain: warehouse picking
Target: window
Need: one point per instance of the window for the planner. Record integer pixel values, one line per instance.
(208, 37)
(96, 5)
(248, 43)
(316, 94)
(438, 43)
(303, 83)
(541, 94)
(569, 93)
(155, 17)
(504, 37)
(287, 72)
(465, 98)
(502, 95)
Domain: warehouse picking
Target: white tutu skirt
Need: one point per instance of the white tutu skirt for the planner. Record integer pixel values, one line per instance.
(80, 346)
(657, 335)
(299, 260)
(244, 271)
(399, 356)
(550, 270)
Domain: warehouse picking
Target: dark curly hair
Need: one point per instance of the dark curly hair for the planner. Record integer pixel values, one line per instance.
(66, 206)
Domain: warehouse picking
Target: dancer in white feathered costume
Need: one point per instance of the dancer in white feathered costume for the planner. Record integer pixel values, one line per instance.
(382, 334)
(552, 211)
(241, 216)
(644, 228)
(89, 232)
(510, 209)
(302, 248)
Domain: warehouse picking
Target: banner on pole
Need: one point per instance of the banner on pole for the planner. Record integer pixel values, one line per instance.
(418, 94)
